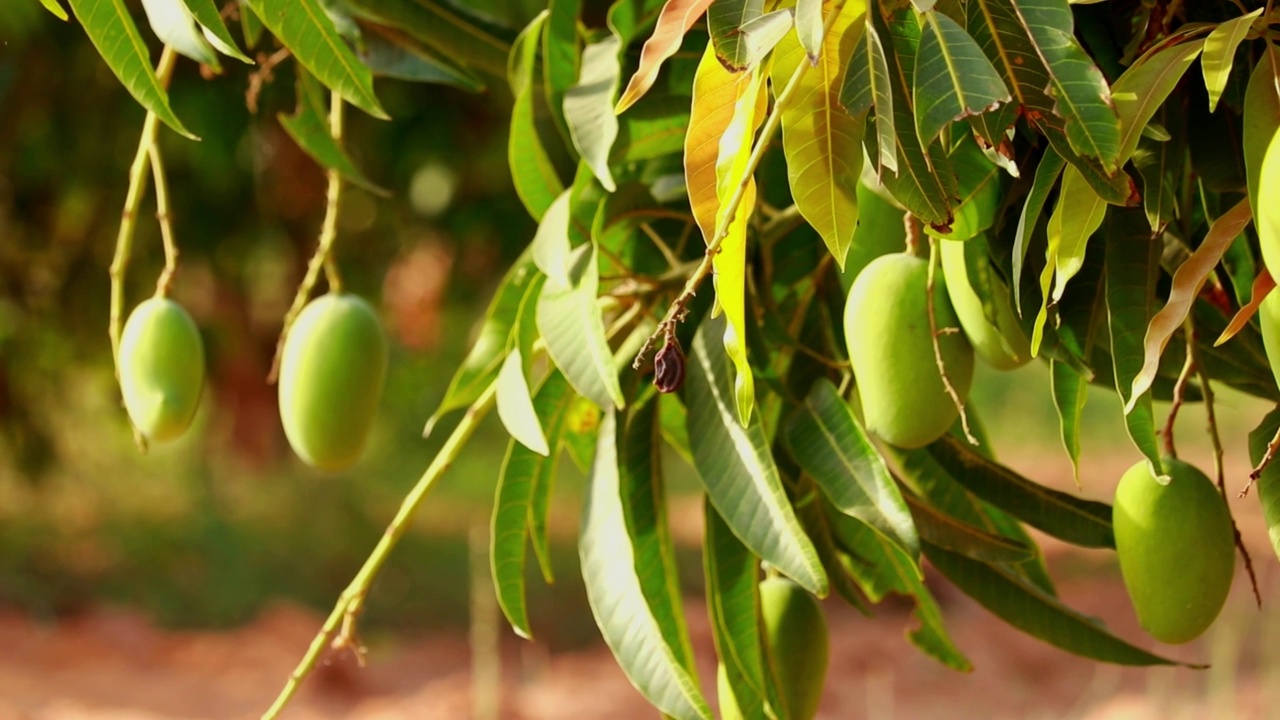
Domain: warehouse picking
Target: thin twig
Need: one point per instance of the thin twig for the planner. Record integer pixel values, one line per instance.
(658, 242)
(1179, 396)
(263, 75)
(322, 259)
(129, 222)
(679, 307)
(934, 332)
(350, 603)
(1272, 448)
(163, 216)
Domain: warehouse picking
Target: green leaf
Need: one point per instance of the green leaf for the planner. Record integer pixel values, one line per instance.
(307, 31)
(53, 7)
(534, 176)
(737, 467)
(867, 85)
(1070, 392)
(733, 604)
(1142, 89)
(250, 25)
(110, 27)
(392, 53)
(511, 307)
(725, 19)
(1081, 522)
(1160, 163)
(653, 128)
(1132, 269)
(515, 405)
(588, 107)
(309, 128)
(1261, 118)
(560, 59)
(1268, 484)
(1220, 53)
(825, 439)
(947, 532)
(1035, 612)
(616, 595)
(880, 568)
(524, 475)
(809, 27)
(760, 36)
(953, 79)
(206, 13)
(568, 318)
(443, 27)
(173, 24)
(978, 192)
(1047, 173)
(1076, 216)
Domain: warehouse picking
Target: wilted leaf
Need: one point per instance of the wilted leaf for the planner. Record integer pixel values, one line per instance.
(588, 107)
(1220, 53)
(953, 79)
(1263, 284)
(677, 17)
(1187, 282)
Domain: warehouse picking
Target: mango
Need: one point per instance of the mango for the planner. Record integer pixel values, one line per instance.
(880, 231)
(886, 323)
(332, 371)
(1001, 344)
(1267, 209)
(797, 643)
(729, 707)
(161, 369)
(1176, 548)
(1269, 319)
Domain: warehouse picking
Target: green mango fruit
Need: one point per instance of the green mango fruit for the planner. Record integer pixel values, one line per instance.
(1269, 319)
(886, 323)
(331, 376)
(797, 643)
(729, 707)
(1176, 548)
(880, 231)
(1002, 344)
(1267, 211)
(161, 369)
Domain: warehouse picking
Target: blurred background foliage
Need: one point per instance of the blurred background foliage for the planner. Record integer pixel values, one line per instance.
(208, 531)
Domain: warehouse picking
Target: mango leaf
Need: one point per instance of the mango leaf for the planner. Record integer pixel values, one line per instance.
(515, 405)
(616, 595)
(512, 306)
(111, 28)
(534, 176)
(304, 28)
(880, 567)
(1132, 268)
(1261, 119)
(174, 26)
(677, 17)
(588, 107)
(716, 92)
(733, 605)
(250, 25)
(1142, 89)
(654, 128)
(309, 128)
(1220, 53)
(1263, 284)
(947, 532)
(390, 52)
(561, 67)
(1160, 163)
(760, 36)
(1269, 482)
(568, 318)
(821, 142)
(737, 467)
(825, 439)
(53, 7)
(1187, 282)
(725, 19)
(1080, 522)
(809, 28)
(867, 85)
(441, 26)
(1047, 173)
(1035, 612)
(1076, 216)
(215, 31)
(1070, 392)
(978, 194)
(953, 79)
(524, 475)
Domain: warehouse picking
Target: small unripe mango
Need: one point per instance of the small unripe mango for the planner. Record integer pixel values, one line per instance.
(331, 376)
(1002, 344)
(886, 324)
(796, 638)
(1176, 548)
(161, 369)
(1269, 319)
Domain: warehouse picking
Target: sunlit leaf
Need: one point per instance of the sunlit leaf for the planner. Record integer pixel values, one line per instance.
(809, 28)
(53, 7)
(304, 28)
(615, 593)
(515, 405)
(652, 129)
(534, 176)
(1187, 282)
(309, 128)
(174, 25)
(588, 107)
(760, 36)
(953, 79)
(1220, 53)
(716, 92)
(1047, 173)
(823, 143)
(1263, 284)
(725, 19)
(1076, 216)
(867, 85)
(111, 28)
(677, 17)
(215, 31)
(1261, 119)
(737, 467)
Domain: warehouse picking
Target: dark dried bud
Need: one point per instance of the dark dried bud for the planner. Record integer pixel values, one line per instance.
(668, 366)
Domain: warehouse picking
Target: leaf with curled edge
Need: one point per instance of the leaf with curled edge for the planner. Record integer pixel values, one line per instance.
(953, 78)
(677, 17)
(1263, 284)
(1187, 282)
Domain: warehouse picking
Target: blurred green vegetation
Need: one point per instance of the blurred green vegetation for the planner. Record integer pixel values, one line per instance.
(209, 530)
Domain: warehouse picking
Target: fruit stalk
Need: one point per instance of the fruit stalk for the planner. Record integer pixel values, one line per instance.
(323, 257)
(165, 282)
(351, 601)
(129, 219)
(676, 312)
(934, 332)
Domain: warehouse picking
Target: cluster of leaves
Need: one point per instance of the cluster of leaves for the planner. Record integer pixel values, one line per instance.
(1032, 129)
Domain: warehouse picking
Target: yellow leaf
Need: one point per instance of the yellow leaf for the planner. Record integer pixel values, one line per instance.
(822, 143)
(1262, 287)
(715, 95)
